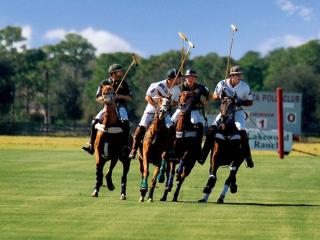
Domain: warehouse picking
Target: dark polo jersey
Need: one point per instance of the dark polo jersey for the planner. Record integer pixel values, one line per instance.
(123, 90)
(199, 90)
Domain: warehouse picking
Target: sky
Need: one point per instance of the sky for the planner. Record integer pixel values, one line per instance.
(150, 27)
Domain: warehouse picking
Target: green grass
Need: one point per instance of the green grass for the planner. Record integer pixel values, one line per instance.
(45, 195)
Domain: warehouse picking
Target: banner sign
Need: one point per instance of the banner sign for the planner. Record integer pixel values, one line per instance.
(270, 141)
(264, 111)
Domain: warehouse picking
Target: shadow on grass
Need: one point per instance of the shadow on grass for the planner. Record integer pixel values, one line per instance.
(258, 204)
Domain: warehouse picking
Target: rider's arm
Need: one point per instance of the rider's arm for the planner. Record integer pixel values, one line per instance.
(215, 96)
(150, 100)
(99, 98)
(125, 93)
(246, 103)
(124, 97)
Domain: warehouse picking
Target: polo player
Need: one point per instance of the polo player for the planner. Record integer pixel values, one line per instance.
(123, 96)
(232, 87)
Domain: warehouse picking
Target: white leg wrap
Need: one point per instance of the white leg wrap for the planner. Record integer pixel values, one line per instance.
(225, 190)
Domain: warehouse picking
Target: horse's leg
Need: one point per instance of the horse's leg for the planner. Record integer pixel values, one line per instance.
(145, 174)
(108, 177)
(180, 170)
(233, 177)
(184, 174)
(153, 183)
(99, 165)
(162, 171)
(169, 182)
(126, 167)
(230, 182)
(224, 190)
(212, 178)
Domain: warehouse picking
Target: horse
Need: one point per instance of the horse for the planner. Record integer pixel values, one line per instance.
(153, 148)
(184, 146)
(226, 151)
(110, 145)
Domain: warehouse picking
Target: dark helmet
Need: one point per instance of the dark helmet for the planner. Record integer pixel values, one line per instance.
(115, 68)
(191, 72)
(172, 73)
(236, 70)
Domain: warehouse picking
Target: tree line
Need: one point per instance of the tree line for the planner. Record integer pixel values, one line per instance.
(56, 84)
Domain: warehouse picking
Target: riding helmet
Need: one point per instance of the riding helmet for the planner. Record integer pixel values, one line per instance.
(172, 73)
(115, 68)
(236, 70)
(191, 72)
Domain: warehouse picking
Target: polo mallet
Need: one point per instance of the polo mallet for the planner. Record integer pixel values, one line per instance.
(234, 29)
(184, 57)
(134, 62)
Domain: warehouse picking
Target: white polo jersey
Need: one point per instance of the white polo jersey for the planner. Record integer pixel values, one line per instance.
(241, 89)
(161, 88)
(243, 92)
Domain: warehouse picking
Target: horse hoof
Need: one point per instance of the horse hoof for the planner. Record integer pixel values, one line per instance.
(202, 200)
(110, 185)
(163, 199)
(141, 199)
(220, 200)
(150, 200)
(175, 200)
(123, 197)
(95, 193)
(143, 191)
(233, 188)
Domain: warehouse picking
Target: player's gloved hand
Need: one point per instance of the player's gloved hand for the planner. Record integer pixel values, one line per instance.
(239, 102)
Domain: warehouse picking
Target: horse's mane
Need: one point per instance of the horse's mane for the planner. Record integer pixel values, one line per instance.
(227, 107)
(184, 119)
(110, 116)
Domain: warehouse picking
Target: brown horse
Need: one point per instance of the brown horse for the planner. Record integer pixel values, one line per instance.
(110, 145)
(154, 144)
(184, 146)
(226, 151)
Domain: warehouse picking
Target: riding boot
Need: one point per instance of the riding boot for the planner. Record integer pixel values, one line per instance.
(93, 134)
(199, 130)
(208, 144)
(138, 136)
(126, 131)
(246, 148)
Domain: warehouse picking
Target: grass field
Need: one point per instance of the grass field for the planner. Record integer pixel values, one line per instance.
(45, 184)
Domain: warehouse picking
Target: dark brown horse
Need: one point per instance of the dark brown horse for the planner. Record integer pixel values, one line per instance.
(110, 145)
(184, 146)
(154, 144)
(226, 151)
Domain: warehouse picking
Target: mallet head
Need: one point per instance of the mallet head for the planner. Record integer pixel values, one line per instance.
(135, 59)
(183, 37)
(234, 28)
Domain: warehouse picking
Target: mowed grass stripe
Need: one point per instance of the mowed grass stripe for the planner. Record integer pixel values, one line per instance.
(45, 195)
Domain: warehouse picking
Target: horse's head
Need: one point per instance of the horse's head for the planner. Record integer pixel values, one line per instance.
(185, 101)
(227, 110)
(108, 94)
(163, 106)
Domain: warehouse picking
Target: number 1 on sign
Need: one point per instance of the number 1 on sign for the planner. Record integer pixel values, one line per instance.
(262, 123)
